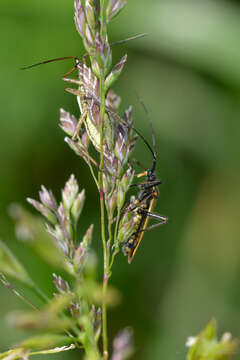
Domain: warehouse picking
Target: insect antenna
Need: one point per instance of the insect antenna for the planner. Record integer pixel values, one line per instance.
(145, 142)
(153, 150)
(128, 39)
(48, 61)
(139, 164)
(76, 58)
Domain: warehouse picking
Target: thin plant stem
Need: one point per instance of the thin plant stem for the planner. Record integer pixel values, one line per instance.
(4, 280)
(109, 230)
(115, 239)
(109, 243)
(104, 320)
(105, 255)
(116, 227)
(105, 250)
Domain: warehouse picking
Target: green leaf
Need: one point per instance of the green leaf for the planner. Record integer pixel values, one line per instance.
(54, 350)
(13, 354)
(205, 346)
(42, 321)
(9, 265)
(46, 342)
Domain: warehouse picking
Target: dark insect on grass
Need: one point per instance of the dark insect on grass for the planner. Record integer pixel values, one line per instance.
(144, 205)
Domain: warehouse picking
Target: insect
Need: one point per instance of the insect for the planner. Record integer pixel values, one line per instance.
(88, 100)
(85, 95)
(143, 206)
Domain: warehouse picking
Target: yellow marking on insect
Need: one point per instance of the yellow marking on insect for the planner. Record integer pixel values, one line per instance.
(137, 237)
(141, 174)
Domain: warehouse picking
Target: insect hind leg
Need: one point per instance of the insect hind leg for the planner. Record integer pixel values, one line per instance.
(79, 125)
(147, 184)
(162, 220)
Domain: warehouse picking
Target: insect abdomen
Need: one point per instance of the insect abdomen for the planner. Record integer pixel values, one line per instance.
(132, 244)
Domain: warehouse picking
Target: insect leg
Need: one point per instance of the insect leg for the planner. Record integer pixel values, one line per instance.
(79, 124)
(70, 80)
(149, 183)
(162, 218)
(138, 203)
(139, 164)
(74, 67)
(85, 154)
(77, 92)
(161, 221)
(80, 93)
(128, 39)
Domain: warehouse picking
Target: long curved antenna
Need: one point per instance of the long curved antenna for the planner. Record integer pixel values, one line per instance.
(151, 126)
(48, 61)
(145, 142)
(128, 39)
(118, 118)
(75, 57)
(154, 150)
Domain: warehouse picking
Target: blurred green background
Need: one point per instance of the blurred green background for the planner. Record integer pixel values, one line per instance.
(187, 70)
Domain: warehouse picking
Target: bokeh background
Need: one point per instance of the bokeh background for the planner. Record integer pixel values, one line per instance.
(187, 70)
